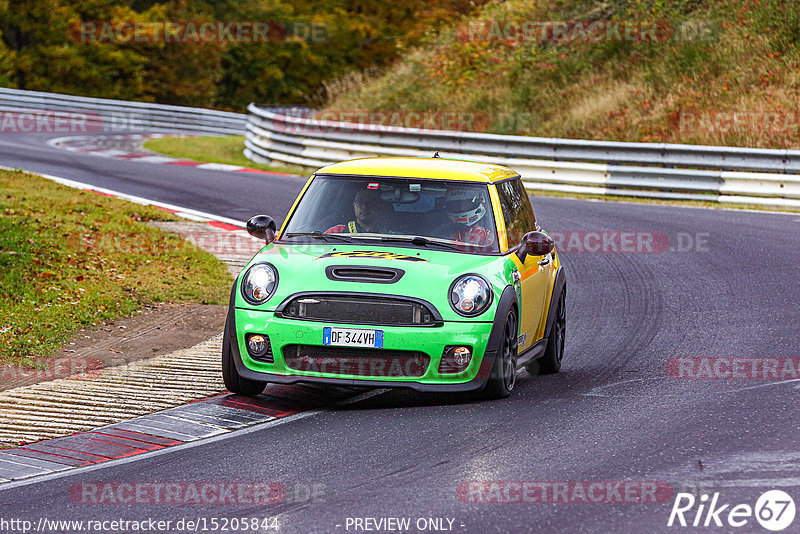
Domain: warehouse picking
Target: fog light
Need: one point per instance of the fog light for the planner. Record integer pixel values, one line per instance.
(257, 345)
(461, 355)
(455, 359)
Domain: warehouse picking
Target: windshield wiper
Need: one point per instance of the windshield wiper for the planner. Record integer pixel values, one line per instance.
(419, 241)
(316, 234)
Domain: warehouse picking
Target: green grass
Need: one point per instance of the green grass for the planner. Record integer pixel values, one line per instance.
(227, 149)
(71, 258)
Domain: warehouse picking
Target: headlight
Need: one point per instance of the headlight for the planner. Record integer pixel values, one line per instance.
(259, 283)
(470, 295)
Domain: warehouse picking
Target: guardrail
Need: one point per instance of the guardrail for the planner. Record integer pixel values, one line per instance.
(102, 114)
(653, 170)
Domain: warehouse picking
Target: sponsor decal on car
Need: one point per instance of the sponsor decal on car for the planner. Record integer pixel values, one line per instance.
(378, 255)
(499, 173)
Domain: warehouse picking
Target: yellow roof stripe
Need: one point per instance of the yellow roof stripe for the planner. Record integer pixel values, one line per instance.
(427, 168)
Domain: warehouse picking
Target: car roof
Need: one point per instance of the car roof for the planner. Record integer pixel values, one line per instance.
(429, 168)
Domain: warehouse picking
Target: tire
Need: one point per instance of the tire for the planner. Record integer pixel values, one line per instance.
(504, 371)
(234, 382)
(550, 362)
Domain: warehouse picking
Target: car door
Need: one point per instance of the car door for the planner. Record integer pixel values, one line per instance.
(534, 274)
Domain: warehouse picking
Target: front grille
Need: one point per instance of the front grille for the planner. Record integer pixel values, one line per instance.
(360, 308)
(376, 363)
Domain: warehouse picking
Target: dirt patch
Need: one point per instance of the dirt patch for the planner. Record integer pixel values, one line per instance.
(157, 330)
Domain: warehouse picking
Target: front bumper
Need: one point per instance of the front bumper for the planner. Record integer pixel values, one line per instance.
(428, 340)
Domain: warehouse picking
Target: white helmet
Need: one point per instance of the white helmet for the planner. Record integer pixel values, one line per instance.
(464, 206)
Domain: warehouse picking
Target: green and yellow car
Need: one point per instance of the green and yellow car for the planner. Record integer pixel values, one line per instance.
(424, 273)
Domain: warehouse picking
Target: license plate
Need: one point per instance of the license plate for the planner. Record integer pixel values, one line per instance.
(352, 337)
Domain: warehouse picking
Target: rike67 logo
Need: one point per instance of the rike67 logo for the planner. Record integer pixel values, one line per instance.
(774, 510)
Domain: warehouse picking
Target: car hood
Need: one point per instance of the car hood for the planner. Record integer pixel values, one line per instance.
(428, 273)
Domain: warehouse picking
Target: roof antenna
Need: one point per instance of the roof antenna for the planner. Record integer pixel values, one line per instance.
(436, 154)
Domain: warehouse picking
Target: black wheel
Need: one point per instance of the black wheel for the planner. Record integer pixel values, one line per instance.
(554, 352)
(504, 371)
(234, 382)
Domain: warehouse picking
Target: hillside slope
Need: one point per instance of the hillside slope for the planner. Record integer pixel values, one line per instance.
(725, 73)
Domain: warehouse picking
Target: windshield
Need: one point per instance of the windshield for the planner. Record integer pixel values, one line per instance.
(396, 210)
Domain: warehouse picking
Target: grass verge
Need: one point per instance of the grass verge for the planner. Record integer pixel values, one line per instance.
(71, 258)
(208, 149)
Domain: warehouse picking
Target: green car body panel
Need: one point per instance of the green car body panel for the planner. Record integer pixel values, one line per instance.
(428, 275)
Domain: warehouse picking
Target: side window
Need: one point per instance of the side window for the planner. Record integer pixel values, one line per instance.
(517, 211)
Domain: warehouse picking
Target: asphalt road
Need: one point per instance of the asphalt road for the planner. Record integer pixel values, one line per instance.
(232, 195)
(612, 414)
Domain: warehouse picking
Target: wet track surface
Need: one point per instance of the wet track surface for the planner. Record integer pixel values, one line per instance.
(612, 414)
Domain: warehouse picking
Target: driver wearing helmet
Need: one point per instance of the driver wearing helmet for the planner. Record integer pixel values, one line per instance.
(370, 212)
(467, 209)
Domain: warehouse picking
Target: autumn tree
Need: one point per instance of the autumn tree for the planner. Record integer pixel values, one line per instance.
(317, 41)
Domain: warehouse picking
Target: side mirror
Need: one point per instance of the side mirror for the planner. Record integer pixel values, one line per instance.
(262, 227)
(535, 244)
